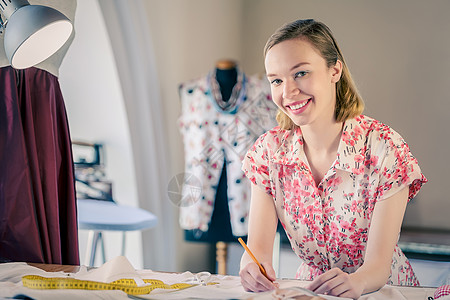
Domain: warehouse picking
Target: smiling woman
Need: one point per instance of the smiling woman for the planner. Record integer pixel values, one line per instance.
(303, 86)
(316, 53)
(337, 181)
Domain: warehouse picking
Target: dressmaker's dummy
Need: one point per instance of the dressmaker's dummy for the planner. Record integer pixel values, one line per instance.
(222, 115)
(38, 218)
(220, 227)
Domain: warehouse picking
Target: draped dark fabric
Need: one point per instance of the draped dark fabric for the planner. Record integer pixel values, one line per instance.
(38, 217)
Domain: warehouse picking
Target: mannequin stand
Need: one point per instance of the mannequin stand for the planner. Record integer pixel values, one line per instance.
(221, 257)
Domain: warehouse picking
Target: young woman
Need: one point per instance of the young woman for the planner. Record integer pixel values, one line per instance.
(337, 180)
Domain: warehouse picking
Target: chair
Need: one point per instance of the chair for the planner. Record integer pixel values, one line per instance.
(97, 210)
(98, 215)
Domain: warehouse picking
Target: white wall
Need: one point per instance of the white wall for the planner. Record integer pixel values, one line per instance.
(95, 108)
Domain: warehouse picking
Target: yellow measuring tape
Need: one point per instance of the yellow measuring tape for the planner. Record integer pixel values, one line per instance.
(128, 286)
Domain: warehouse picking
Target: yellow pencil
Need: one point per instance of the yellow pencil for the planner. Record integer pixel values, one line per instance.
(253, 257)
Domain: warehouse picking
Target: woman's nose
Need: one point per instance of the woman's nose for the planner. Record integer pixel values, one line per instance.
(290, 89)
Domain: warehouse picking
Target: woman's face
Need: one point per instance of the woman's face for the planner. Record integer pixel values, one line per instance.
(302, 85)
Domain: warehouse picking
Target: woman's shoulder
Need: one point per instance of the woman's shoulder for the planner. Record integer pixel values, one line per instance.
(372, 126)
(377, 132)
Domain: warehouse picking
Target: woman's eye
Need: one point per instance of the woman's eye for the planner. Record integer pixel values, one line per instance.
(300, 74)
(276, 81)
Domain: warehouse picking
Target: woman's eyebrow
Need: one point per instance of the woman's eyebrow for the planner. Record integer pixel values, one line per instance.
(293, 67)
(298, 65)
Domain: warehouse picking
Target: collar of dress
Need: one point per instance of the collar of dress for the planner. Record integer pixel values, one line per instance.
(237, 97)
(351, 147)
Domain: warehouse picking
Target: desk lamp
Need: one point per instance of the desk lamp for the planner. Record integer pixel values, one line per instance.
(32, 32)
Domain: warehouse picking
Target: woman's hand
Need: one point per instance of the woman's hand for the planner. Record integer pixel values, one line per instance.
(336, 282)
(254, 281)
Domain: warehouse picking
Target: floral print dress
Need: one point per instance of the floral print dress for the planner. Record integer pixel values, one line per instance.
(211, 136)
(328, 224)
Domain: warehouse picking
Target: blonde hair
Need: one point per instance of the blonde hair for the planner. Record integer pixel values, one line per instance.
(349, 103)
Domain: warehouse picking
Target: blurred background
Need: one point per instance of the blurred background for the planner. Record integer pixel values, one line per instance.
(121, 75)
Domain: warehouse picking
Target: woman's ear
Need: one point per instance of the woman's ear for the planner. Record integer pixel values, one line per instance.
(336, 71)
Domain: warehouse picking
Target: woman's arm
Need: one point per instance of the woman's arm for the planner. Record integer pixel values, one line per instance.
(383, 236)
(261, 234)
(373, 274)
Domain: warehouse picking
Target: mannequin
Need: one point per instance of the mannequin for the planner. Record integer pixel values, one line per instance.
(38, 218)
(220, 231)
(220, 227)
(222, 114)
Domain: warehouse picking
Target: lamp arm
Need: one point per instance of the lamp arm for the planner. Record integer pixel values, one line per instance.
(2, 24)
(9, 8)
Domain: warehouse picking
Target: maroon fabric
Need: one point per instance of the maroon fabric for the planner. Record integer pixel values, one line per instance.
(38, 217)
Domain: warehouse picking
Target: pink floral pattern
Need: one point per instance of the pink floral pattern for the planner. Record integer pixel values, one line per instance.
(328, 224)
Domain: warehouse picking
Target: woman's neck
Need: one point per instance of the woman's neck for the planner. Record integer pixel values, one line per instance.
(323, 138)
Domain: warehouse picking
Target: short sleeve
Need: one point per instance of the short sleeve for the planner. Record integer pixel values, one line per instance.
(255, 164)
(399, 169)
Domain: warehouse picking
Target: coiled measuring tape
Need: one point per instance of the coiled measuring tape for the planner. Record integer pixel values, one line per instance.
(128, 286)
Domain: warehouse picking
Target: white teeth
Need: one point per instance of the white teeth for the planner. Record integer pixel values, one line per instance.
(298, 106)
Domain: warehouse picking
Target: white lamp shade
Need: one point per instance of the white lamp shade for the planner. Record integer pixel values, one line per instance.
(33, 33)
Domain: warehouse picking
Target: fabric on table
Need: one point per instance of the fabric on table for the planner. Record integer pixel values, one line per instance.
(228, 287)
(400, 293)
(11, 285)
(118, 268)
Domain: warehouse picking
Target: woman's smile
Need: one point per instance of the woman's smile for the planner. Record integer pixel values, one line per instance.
(298, 107)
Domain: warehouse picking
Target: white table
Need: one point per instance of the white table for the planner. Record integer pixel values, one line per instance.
(229, 287)
(97, 216)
